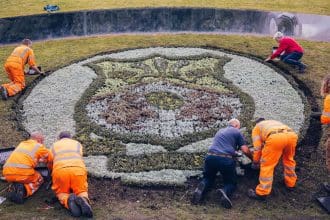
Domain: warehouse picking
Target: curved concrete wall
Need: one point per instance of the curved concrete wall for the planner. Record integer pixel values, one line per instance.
(82, 23)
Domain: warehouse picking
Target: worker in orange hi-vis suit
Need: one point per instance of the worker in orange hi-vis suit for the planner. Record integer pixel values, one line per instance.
(325, 120)
(325, 93)
(14, 67)
(70, 176)
(271, 140)
(324, 117)
(19, 167)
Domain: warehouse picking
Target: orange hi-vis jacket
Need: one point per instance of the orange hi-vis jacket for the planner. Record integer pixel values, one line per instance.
(67, 153)
(25, 158)
(22, 55)
(325, 117)
(260, 133)
(14, 67)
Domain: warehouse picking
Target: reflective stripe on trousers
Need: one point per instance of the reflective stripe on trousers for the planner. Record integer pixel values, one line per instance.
(327, 114)
(271, 153)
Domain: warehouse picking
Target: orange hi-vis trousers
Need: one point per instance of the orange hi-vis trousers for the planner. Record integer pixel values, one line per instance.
(327, 151)
(277, 145)
(16, 75)
(31, 182)
(69, 180)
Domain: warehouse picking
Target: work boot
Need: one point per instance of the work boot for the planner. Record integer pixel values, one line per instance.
(302, 68)
(288, 188)
(86, 208)
(73, 206)
(253, 195)
(326, 186)
(17, 193)
(4, 93)
(225, 201)
(198, 193)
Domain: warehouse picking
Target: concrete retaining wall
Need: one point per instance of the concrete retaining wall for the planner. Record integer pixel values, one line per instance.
(85, 23)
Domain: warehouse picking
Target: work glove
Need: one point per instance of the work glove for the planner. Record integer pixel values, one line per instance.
(238, 154)
(255, 166)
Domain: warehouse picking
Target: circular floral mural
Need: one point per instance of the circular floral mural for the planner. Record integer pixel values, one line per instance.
(147, 116)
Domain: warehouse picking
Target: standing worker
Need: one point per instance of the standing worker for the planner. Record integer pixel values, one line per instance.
(220, 158)
(325, 120)
(14, 67)
(271, 140)
(19, 167)
(293, 52)
(70, 176)
(325, 117)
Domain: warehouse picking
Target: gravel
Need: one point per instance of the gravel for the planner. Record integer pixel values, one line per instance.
(50, 106)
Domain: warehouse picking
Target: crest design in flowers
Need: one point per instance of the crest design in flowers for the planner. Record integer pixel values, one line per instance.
(164, 101)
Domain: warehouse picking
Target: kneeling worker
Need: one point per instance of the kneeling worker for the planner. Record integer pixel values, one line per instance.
(19, 167)
(271, 140)
(220, 158)
(14, 67)
(70, 176)
(291, 49)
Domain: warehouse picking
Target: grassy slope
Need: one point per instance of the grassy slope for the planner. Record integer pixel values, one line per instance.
(28, 7)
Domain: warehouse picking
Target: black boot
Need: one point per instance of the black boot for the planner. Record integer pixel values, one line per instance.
(253, 195)
(302, 68)
(326, 186)
(198, 193)
(73, 206)
(225, 201)
(4, 93)
(17, 193)
(86, 208)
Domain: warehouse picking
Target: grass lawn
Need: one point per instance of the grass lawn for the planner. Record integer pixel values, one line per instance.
(54, 54)
(57, 53)
(28, 7)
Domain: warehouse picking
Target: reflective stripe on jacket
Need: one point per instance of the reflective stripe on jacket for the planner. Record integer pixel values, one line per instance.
(325, 117)
(67, 153)
(25, 157)
(22, 55)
